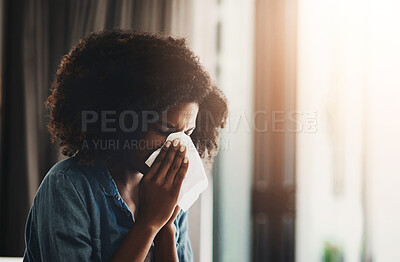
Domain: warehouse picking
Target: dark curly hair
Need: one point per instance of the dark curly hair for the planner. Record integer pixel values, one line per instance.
(122, 70)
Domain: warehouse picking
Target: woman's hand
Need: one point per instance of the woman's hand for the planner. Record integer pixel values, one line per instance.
(169, 227)
(165, 248)
(158, 194)
(159, 188)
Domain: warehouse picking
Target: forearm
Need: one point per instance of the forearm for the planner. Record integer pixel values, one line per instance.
(136, 244)
(164, 246)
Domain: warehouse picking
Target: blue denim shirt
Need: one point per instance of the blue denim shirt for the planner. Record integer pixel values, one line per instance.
(79, 215)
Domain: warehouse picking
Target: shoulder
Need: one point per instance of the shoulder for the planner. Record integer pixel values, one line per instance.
(68, 167)
(65, 178)
(184, 246)
(182, 218)
(181, 223)
(59, 222)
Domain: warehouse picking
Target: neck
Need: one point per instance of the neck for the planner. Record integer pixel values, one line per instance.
(125, 177)
(127, 183)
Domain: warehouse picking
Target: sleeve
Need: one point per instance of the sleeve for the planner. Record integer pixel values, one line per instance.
(61, 223)
(31, 244)
(184, 249)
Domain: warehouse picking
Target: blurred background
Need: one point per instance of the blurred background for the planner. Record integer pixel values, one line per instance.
(309, 163)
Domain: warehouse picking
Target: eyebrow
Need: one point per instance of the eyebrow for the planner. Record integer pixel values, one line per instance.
(172, 126)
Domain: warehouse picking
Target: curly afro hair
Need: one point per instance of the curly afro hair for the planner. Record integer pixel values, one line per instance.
(122, 70)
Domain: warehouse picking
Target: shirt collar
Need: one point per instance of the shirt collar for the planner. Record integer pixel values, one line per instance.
(103, 175)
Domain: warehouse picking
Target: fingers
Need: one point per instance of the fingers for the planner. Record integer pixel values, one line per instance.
(180, 176)
(158, 161)
(159, 177)
(169, 178)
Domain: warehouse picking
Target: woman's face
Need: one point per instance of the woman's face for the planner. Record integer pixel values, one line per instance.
(178, 118)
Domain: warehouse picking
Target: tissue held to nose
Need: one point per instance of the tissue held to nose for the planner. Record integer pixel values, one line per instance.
(195, 181)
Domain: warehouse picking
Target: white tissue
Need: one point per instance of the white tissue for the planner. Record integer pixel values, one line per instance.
(195, 181)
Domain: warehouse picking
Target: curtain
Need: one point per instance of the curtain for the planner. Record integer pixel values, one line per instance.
(36, 34)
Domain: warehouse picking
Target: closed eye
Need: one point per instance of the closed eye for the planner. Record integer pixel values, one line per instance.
(165, 132)
(190, 131)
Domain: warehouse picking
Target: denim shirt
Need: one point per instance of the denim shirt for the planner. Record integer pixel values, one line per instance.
(79, 215)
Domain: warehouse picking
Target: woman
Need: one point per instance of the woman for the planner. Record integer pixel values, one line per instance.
(116, 97)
